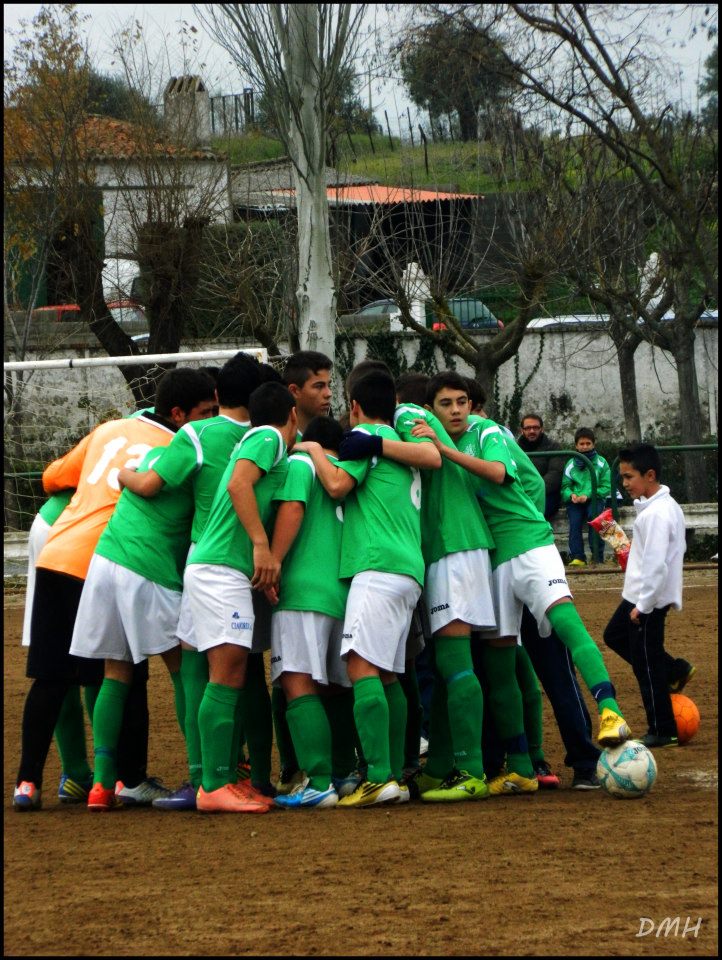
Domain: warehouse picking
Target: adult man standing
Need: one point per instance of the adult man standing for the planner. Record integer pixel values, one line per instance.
(533, 440)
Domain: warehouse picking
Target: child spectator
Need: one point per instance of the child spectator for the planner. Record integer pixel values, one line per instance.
(577, 495)
(652, 584)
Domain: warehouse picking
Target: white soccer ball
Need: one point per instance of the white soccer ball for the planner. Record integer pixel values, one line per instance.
(627, 771)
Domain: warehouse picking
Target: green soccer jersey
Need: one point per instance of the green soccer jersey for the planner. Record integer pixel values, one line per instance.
(151, 537)
(200, 451)
(382, 528)
(54, 506)
(451, 518)
(224, 540)
(515, 522)
(310, 576)
(527, 473)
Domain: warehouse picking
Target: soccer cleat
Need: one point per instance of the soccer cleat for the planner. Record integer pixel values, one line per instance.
(346, 785)
(613, 729)
(410, 779)
(424, 782)
(677, 686)
(404, 793)
(654, 741)
(73, 791)
(184, 798)
(510, 784)
(305, 796)
(368, 794)
(547, 780)
(26, 796)
(243, 771)
(458, 786)
(577, 563)
(228, 799)
(102, 799)
(257, 794)
(585, 781)
(144, 794)
(289, 780)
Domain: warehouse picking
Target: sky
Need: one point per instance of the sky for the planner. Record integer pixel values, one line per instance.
(682, 59)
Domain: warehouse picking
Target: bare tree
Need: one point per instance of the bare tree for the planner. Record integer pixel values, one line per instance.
(297, 54)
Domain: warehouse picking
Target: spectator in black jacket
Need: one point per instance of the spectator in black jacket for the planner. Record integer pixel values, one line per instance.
(533, 439)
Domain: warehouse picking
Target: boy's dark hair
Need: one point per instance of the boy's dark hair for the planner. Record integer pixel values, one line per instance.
(643, 457)
(477, 394)
(237, 379)
(212, 372)
(376, 395)
(183, 388)
(269, 374)
(585, 433)
(304, 364)
(411, 388)
(447, 378)
(532, 416)
(271, 403)
(326, 431)
(362, 369)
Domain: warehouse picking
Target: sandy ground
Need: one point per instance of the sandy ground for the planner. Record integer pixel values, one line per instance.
(559, 873)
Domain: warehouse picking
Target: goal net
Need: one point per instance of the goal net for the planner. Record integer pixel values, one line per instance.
(51, 404)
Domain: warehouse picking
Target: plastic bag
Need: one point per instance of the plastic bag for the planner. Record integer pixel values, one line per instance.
(610, 531)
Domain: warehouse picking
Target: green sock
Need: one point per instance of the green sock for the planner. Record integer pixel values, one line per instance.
(506, 706)
(398, 709)
(90, 695)
(339, 710)
(414, 715)
(371, 713)
(570, 629)
(180, 700)
(258, 721)
(308, 724)
(70, 737)
(215, 723)
(532, 704)
(107, 721)
(440, 758)
(194, 674)
(284, 741)
(464, 701)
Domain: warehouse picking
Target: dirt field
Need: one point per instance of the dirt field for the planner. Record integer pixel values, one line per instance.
(560, 873)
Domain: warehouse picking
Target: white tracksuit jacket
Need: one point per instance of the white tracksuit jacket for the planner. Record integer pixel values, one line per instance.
(653, 577)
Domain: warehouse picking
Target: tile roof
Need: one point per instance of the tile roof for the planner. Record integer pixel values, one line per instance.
(270, 182)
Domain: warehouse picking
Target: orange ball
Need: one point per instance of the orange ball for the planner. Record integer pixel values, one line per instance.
(687, 716)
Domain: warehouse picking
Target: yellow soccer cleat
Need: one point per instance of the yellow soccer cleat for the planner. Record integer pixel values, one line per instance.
(512, 784)
(613, 729)
(369, 794)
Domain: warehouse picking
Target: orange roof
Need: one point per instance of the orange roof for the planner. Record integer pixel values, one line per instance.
(377, 193)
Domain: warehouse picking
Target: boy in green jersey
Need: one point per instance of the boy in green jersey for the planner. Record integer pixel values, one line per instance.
(198, 455)
(526, 569)
(455, 543)
(381, 552)
(231, 557)
(308, 617)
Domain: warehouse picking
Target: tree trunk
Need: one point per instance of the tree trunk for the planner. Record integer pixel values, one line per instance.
(484, 373)
(690, 416)
(628, 383)
(468, 120)
(316, 293)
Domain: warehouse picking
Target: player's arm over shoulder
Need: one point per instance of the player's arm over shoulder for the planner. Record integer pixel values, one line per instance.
(65, 471)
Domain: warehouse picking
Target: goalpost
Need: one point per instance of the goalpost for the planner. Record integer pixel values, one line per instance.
(51, 404)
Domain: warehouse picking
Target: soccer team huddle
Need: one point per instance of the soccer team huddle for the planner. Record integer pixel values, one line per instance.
(237, 517)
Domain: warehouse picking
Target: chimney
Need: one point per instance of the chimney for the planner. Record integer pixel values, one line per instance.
(187, 110)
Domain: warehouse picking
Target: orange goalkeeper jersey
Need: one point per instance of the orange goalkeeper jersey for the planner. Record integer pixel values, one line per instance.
(92, 468)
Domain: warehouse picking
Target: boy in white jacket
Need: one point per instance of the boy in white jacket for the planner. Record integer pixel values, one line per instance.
(652, 584)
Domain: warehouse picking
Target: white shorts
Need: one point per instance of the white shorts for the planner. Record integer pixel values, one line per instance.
(378, 614)
(123, 616)
(458, 587)
(185, 632)
(307, 642)
(36, 541)
(221, 605)
(536, 578)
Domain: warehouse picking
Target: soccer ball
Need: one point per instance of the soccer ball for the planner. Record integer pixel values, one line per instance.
(627, 771)
(687, 716)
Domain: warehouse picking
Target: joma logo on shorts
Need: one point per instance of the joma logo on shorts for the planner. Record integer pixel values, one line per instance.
(441, 606)
(552, 582)
(347, 636)
(241, 625)
(275, 659)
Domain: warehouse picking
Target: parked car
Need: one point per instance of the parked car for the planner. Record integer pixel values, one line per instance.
(128, 314)
(472, 314)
